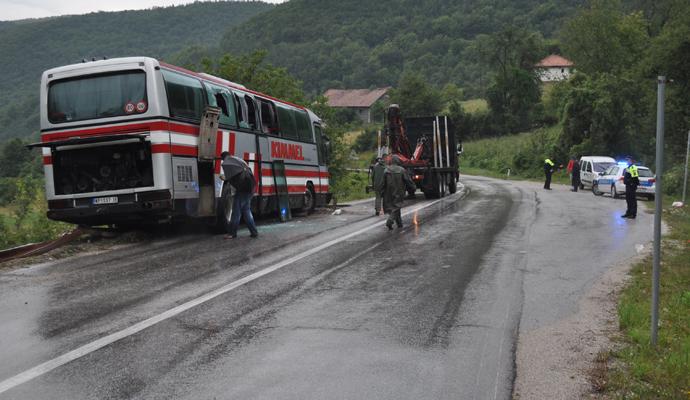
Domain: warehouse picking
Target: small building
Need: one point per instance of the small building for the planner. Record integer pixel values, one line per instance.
(359, 100)
(554, 68)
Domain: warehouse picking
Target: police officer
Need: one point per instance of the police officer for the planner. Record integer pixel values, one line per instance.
(377, 173)
(396, 182)
(548, 170)
(631, 180)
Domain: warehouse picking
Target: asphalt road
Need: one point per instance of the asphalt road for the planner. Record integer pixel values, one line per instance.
(322, 307)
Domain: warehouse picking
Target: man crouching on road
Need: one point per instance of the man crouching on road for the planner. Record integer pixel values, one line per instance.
(396, 182)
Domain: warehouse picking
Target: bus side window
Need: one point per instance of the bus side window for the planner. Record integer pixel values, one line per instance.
(241, 111)
(303, 127)
(269, 121)
(251, 112)
(286, 118)
(185, 95)
(217, 96)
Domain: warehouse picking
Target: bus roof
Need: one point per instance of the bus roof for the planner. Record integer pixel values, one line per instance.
(152, 61)
(224, 82)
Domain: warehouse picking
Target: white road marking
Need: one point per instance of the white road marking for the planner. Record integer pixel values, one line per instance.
(88, 348)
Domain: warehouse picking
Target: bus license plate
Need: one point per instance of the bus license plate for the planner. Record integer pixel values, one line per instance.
(105, 200)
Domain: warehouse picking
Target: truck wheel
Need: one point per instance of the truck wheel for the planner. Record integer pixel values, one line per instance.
(432, 189)
(452, 184)
(224, 209)
(442, 185)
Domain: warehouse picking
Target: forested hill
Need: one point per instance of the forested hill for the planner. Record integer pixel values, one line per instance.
(360, 43)
(28, 47)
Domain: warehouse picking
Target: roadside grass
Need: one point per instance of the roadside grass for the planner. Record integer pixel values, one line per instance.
(559, 177)
(639, 370)
(473, 106)
(24, 219)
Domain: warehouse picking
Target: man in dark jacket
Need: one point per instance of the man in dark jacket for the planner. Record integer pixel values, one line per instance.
(377, 174)
(244, 185)
(631, 180)
(548, 170)
(396, 183)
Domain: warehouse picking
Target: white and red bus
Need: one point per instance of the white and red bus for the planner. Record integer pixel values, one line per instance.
(120, 140)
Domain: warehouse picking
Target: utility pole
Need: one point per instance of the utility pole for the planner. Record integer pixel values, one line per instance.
(657, 206)
(685, 179)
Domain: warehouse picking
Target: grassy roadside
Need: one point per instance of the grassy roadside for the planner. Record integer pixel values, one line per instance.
(561, 176)
(636, 369)
(24, 219)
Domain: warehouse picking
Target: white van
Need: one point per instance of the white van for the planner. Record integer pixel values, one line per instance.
(591, 166)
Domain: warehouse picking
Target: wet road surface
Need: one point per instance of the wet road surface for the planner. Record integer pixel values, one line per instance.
(321, 307)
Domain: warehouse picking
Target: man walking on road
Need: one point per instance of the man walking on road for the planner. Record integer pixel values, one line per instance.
(631, 180)
(396, 183)
(548, 170)
(244, 185)
(377, 175)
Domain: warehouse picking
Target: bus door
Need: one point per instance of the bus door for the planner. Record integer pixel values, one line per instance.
(322, 149)
(282, 194)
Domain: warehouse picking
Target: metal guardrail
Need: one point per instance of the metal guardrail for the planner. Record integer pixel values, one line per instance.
(33, 249)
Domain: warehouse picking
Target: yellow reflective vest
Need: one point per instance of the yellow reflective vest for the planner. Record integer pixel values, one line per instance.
(633, 171)
(547, 161)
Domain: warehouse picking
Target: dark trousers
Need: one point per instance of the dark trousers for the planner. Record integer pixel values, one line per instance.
(394, 216)
(241, 207)
(378, 202)
(631, 200)
(547, 182)
(576, 182)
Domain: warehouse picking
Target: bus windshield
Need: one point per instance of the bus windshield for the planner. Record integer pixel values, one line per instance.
(97, 96)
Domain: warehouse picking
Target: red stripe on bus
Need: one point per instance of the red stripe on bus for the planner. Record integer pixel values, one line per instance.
(124, 129)
(297, 173)
(270, 189)
(219, 151)
(160, 148)
(119, 129)
(176, 150)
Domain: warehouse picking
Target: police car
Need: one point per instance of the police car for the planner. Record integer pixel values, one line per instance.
(611, 181)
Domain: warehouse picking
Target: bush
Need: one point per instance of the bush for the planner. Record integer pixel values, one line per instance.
(26, 220)
(366, 141)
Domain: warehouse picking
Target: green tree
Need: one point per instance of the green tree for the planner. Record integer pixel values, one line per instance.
(514, 91)
(601, 38)
(416, 97)
(16, 160)
(602, 116)
(252, 71)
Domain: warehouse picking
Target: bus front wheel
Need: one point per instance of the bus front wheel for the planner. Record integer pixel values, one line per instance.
(224, 210)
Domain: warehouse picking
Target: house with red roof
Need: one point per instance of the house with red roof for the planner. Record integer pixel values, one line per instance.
(359, 100)
(554, 68)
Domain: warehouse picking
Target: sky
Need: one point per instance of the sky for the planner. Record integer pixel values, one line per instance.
(20, 9)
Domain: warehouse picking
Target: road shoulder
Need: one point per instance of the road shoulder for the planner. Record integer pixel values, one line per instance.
(556, 361)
